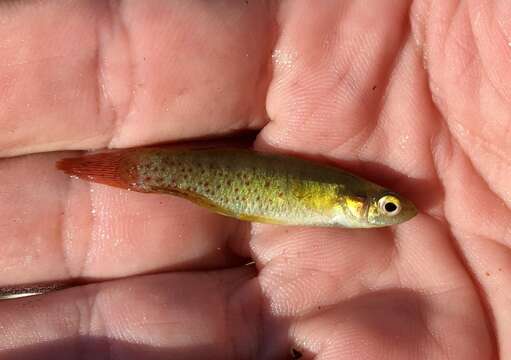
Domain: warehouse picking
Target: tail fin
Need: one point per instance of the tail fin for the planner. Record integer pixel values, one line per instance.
(104, 168)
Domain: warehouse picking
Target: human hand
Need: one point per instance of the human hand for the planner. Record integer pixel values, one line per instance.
(413, 97)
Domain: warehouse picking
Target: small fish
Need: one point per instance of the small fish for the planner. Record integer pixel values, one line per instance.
(248, 185)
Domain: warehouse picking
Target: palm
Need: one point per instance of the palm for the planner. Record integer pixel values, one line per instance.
(347, 84)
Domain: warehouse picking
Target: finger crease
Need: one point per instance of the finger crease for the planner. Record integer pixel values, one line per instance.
(113, 102)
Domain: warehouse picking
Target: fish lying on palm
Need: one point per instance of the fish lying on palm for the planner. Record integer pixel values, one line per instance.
(248, 185)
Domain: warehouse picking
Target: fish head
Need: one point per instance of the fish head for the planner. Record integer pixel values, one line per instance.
(385, 208)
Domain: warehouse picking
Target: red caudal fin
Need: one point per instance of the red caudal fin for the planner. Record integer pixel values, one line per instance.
(107, 168)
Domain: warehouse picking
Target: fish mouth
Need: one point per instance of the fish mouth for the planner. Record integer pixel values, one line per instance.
(408, 212)
(412, 211)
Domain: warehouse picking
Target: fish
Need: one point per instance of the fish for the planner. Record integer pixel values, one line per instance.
(248, 185)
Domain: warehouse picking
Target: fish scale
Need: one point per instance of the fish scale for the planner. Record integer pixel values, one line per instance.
(223, 177)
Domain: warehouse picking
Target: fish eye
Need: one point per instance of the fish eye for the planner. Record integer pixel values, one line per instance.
(389, 205)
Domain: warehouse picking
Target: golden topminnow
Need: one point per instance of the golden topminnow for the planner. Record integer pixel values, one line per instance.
(249, 185)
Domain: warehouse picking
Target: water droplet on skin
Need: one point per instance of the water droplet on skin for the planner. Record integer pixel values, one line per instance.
(283, 58)
(403, 141)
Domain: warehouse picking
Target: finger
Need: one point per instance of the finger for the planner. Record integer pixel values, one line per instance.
(56, 228)
(129, 73)
(181, 316)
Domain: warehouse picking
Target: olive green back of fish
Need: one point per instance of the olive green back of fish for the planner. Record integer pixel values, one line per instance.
(256, 186)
